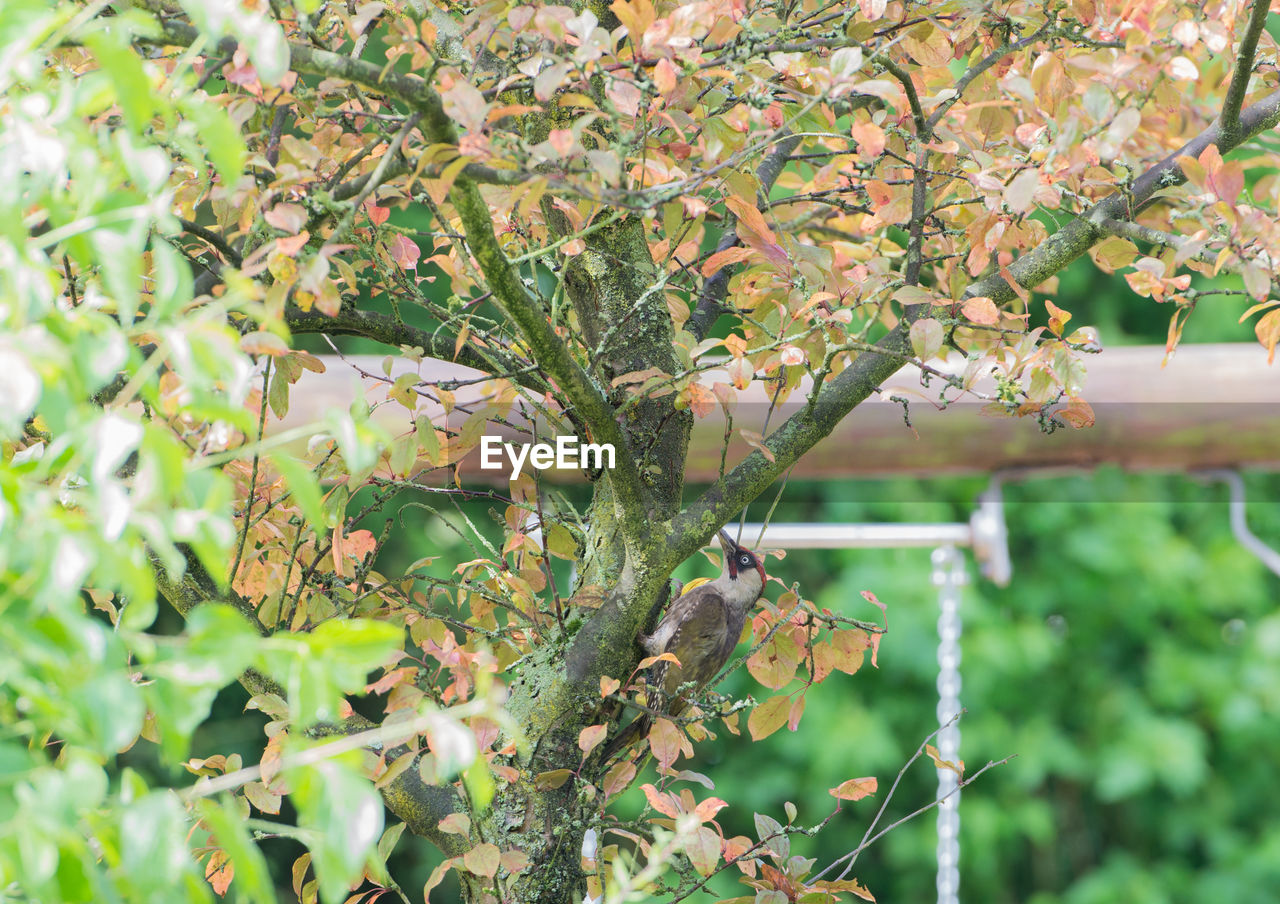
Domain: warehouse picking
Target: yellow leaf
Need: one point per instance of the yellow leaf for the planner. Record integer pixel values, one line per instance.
(1268, 332)
(262, 343)
(549, 781)
(768, 717)
(932, 752)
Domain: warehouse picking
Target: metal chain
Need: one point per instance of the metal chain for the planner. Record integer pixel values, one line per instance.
(949, 575)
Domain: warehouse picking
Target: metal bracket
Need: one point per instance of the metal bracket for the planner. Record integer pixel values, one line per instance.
(1236, 512)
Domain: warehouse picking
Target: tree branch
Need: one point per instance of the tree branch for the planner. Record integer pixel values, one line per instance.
(752, 476)
(710, 300)
(351, 321)
(1139, 233)
(1080, 234)
(401, 166)
(837, 398)
(1230, 117)
(509, 293)
(220, 244)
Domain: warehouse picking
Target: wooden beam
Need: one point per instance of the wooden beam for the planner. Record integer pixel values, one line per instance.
(1212, 406)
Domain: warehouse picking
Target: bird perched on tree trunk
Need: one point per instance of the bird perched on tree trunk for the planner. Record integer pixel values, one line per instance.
(700, 629)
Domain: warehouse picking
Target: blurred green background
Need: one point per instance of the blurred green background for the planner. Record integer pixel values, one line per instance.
(1132, 665)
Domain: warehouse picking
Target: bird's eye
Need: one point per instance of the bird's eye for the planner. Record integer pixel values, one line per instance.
(744, 559)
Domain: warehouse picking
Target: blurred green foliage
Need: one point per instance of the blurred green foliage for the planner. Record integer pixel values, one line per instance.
(1132, 665)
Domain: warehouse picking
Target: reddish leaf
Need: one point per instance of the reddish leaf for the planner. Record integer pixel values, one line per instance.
(981, 310)
(703, 850)
(437, 876)
(870, 138)
(1057, 317)
(288, 218)
(797, 710)
(619, 778)
(854, 789)
(404, 252)
(1078, 413)
(483, 860)
(756, 441)
(850, 885)
(664, 741)
(849, 644)
(926, 338)
(456, 824)
(263, 343)
(661, 657)
(775, 664)
(661, 801)
(707, 809)
(721, 259)
(591, 736)
(220, 871)
(824, 660)
(514, 861)
(291, 245)
(359, 543)
(701, 400)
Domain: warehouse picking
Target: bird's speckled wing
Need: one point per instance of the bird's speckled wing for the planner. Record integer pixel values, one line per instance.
(698, 624)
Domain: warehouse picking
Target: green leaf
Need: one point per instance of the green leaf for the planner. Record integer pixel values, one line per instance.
(779, 843)
(404, 454)
(926, 338)
(317, 668)
(428, 441)
(561, 543)
(278, 394)
(219, 138)
(479, 784)
(225, 822)
(359, 443)
(353, 648)
(345, 812)
(552, 779)
(134, 91)
(302, 484)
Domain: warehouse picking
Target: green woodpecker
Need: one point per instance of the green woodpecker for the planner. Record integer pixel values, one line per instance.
(700, 629)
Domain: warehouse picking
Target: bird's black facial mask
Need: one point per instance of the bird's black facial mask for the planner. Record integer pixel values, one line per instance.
(738, 559)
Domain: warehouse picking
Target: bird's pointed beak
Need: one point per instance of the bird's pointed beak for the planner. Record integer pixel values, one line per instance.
(730, 548)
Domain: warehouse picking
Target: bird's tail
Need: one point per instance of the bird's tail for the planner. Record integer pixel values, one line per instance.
(638, 729)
